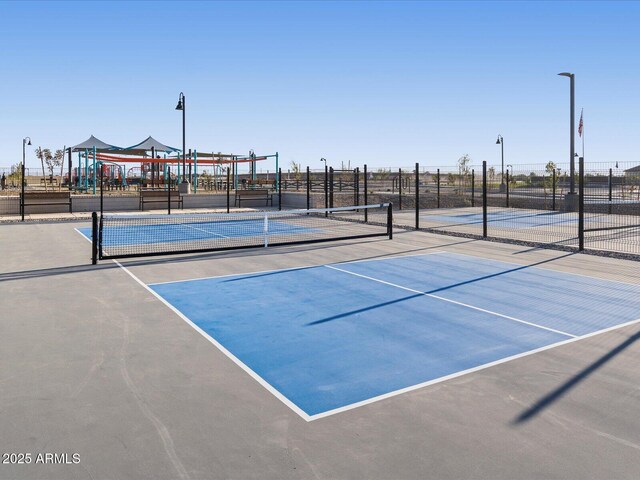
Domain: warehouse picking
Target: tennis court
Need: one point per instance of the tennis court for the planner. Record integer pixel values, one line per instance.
(501, 218)
(421, 356)
(332, 337)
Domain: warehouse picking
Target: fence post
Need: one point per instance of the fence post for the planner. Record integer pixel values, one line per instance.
(399, 189)
(330, 187)
(438, 187)
(507, 189)
(308, 188)
(417, 198)
(94, 238)
(553, 186)
(366, 202)
(390, 221)
(484, 199)
(168, 182)
(610, 189)
(581, 204)
(473, 187)
(326, 188)
(280, 190)
(228, 185)
(356, 186)
(101, 188)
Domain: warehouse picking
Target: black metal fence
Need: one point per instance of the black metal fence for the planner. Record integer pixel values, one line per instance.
(528, 204)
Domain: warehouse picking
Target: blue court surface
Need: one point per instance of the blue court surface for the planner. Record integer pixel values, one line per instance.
(189, 231)
(328, 338)
(507, 218)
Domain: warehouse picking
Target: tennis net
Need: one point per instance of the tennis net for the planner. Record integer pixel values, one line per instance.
(122, 236)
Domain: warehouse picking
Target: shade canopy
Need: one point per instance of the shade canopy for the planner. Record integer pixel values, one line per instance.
(92, 142)
(150, 142)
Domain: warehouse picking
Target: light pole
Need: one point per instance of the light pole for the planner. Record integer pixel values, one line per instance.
(500, 141)
(182, 106)
(570, 203)
(25, 141)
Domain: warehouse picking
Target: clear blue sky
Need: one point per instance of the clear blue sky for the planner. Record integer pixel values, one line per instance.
(386, 84)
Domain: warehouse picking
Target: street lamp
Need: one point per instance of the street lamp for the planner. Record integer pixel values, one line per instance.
(500, 141)
(572, 167)
(25, 141)
(182, 106)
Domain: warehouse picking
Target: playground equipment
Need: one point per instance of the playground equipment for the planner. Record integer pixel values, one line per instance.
(154, 159)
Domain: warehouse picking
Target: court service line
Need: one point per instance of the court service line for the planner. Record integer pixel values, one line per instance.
(455, 302)
(219, 346)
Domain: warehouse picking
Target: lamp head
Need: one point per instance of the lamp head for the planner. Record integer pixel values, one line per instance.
(29, 143)
(566, 74)
(179, 106)
(499, 140)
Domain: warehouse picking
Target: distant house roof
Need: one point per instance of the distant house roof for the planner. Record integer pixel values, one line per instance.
(92, 142)
(150, 142)
(635, 169)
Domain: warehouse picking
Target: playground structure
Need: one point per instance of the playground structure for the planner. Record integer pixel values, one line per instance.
(159, 166)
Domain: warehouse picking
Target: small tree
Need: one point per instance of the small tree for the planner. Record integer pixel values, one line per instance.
(492, 174)
(463, 168)
(451, 179)
(296, 169)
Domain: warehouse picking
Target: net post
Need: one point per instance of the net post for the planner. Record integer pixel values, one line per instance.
(553, 187)
(280, 189)
(610, 189)
(94, 238)
(168, 182)
(326, 188)
(266, 230)
(484, 199)
(390, 220)
(308, 189)
(366, 210)
(507, 189)
(581, 204)
(22, 182)
(473, 187)
(417, 193)
(399, 189)
(330, 187)
(438, 188)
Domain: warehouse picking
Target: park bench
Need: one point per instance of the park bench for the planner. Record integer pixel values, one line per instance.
(160, 196)
(44, 199)
(258, 194)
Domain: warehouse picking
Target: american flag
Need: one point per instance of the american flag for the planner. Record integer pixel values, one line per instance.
(580, 125)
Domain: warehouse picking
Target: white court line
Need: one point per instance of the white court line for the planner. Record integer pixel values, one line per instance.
(219, 346)
(83, 235)
(454, 302)
(205, 231)
(399, 255)
(468, 371)
(352, 406)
